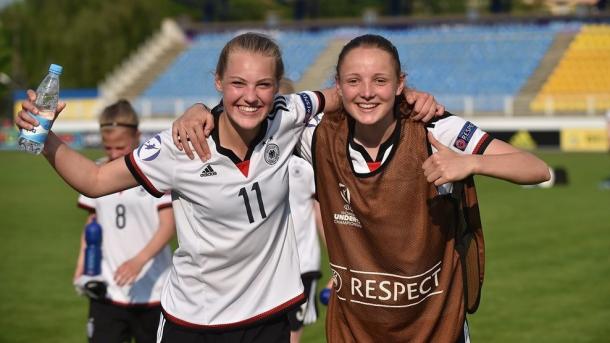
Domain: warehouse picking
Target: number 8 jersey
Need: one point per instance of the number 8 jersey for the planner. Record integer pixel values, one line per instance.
(237, 261)
(129, 220)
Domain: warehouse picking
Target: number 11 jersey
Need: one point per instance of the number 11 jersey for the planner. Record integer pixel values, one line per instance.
(237, 261)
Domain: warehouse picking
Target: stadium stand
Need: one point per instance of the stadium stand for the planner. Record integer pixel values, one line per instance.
(137, 72)
(190, 77)
(581, 79)
(480, 64)
(469, 68)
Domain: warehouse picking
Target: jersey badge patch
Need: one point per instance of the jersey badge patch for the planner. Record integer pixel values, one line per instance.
(272, 153)
(150, 149)
(347, 215)
(465, 135)
(336, 277)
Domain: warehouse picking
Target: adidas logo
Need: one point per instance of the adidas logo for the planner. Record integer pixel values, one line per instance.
(208, 171)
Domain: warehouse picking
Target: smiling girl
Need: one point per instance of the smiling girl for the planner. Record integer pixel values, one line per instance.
(391, 238)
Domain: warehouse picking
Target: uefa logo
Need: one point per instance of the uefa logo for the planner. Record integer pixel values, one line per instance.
(344, 193)
(272, 153)
(337, 281)
(150, 149)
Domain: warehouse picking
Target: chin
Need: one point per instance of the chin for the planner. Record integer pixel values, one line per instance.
(366, 119)
(251, 122)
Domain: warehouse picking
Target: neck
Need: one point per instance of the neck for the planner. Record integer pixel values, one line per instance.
(235, 138)
(372, 136)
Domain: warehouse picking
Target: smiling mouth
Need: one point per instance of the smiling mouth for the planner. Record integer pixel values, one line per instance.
(367, 106)
(248, 109)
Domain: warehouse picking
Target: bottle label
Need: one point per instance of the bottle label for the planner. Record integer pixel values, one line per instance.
(39, 133)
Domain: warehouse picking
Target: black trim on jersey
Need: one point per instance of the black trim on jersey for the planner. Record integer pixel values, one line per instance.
(280, 310)
(86, 207)
(321, 102)
(279, 103)
(483, 144)
(228, 152)
(140, 177)
(432, 122)
(428, 145)
(394, 139)
(313, 162)
(217, 110)
(162, 206)
(383, 147)
(313, 275)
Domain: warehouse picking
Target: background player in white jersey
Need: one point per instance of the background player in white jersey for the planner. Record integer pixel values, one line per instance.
(235, 273)
(305, 213)
(136, 258)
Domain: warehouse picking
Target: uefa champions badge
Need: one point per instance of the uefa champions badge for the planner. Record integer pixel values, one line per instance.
(272, 153)
(344, 193)
(150, 149)
(337, 281)
(465, 135)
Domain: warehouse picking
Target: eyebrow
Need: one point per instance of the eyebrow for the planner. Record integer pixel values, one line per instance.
(237, 78)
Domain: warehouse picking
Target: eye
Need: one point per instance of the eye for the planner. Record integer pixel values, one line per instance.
(381, 81)
(351, 81)
(265, 84)
(238, 83)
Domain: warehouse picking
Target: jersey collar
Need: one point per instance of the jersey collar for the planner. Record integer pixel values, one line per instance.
(228, 152)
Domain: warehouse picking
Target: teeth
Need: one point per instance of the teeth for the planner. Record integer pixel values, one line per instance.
(248, 108)
(367, 105)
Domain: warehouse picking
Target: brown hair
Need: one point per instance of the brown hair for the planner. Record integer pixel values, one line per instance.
(371, 41)
(286, 86)
(121, 113)
(252, 42)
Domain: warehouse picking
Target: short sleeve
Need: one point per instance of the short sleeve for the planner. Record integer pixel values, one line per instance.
(305, 105)
(164, 202)
(86, 203)
(305, 144)
(153, 163)
(460, 135)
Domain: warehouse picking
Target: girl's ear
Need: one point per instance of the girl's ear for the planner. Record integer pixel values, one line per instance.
(401, 83)
(218, 82)
(337, 87)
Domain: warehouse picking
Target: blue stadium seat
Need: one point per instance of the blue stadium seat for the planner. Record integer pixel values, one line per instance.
(485, 63)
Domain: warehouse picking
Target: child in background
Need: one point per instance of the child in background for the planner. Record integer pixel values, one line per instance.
(136, 258)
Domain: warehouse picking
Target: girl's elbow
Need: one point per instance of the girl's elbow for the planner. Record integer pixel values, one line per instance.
(544, 173)
(92, 192)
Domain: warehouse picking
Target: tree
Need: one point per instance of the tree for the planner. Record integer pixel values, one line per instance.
(88, 37)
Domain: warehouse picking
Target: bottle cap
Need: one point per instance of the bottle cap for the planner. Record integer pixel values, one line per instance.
(56, 69)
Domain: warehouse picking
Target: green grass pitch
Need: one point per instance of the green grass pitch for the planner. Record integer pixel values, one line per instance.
(547, 274)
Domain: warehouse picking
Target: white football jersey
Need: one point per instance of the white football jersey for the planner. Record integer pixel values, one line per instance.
(237, 261)
(302, 206)
(129, 219)
(455, 132)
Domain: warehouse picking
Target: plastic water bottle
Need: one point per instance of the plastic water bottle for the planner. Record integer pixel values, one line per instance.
(47, 96)
(93, 251)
